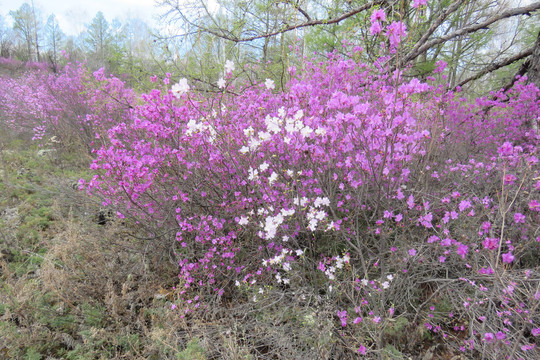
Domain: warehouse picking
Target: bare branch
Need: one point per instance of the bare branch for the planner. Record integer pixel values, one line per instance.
(228, 36)
(472, 28)
(436, 23)
(300, 10)
(497, 65)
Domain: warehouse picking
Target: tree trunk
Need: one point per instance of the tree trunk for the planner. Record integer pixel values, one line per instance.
(533, 72)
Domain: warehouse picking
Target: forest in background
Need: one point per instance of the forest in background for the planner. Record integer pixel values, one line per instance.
(482, 40)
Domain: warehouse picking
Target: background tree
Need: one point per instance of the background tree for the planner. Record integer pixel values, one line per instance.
(55, 39)
(6, 39)
(27, 27)
(98, 39)
(469, 35)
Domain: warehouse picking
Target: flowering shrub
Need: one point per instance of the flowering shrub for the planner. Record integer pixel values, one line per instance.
(71, 105)
(420, 208)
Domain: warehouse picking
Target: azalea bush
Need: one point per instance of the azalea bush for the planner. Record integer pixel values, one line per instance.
(71, 106)
(400, 203)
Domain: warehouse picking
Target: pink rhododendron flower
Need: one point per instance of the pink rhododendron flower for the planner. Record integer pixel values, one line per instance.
(490, 243)
(418, 3)
(486, 226)
(342, 315)
(378, 15)
(519, 218)
(462, 250)
(375, 28)
(464, 205)
(509, 179)
(507, 257)
(362, 350)
(410, 201)
(486, 271)
(506, 149)
(397, 31)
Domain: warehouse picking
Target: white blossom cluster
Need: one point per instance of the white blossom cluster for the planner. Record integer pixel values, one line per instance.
(194, 127)
(275, 125)
(272, 223)
(281, 262)
(315, 213)
(385, 283)
(181, 88)
(228, 68)
(330, 271)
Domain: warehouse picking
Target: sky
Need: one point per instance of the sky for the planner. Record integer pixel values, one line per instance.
(73, 15)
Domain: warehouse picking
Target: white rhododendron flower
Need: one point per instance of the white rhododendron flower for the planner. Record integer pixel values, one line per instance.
(221, 83)
(320, 215)
(287, 212)
(253, 174)
(273, 124)
(194, 127)
(272, 224)
(306, 131)
(269, 83)
(263, 135)
(181, 88)
(321, 201)
(254, 143)
(229, 66)
(264, 166)
(272, 178)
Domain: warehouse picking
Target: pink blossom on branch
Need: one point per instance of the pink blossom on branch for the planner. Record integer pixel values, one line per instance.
(397, 31)
(375, 28)
(378, 15)
(418, 3)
